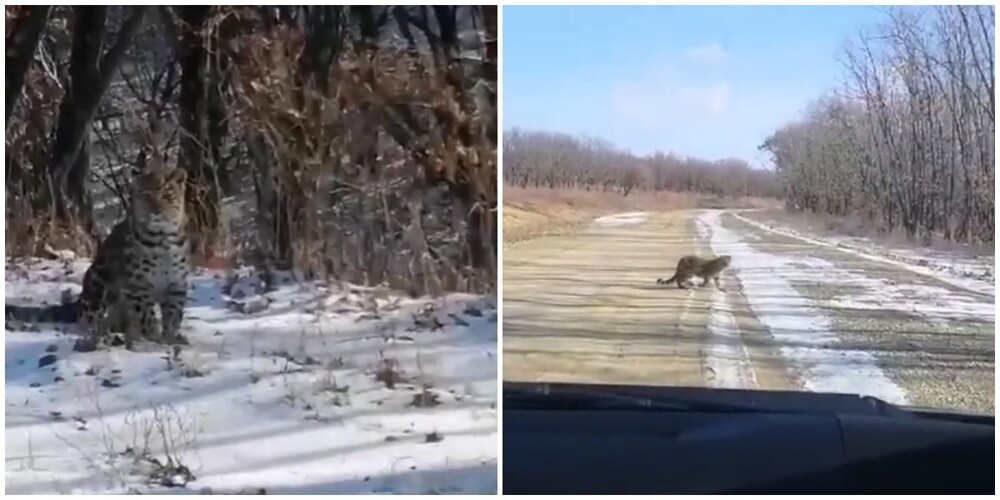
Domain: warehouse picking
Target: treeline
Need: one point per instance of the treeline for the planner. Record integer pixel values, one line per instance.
(554, 160)
(910, 143)
(355, 142)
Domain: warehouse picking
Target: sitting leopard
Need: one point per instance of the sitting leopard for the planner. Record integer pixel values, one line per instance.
(142, 264)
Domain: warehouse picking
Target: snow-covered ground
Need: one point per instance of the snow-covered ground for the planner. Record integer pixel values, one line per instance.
(976, 275)
(803, 328)
(727, 356)
(305, 389)
(622, 219)
(805, 335)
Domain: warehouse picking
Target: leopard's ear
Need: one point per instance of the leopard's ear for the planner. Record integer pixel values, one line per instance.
(177, 175)
(141, 164)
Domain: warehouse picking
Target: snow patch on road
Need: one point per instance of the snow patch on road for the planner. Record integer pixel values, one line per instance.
(315, 389)
(622, 219)
(976, 278)
(804, 333)
(932, 303)
(728, 358)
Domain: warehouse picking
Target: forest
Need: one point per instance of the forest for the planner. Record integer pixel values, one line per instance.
(534, 159)
(908, 143)
(354, 143)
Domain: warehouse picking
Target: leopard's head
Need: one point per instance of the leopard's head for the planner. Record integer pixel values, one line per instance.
(160, 192)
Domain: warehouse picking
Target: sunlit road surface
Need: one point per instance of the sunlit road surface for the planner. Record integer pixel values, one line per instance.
(586, 308)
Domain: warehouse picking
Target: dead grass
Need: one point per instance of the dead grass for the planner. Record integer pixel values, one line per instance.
(523, 223)
(530, 213)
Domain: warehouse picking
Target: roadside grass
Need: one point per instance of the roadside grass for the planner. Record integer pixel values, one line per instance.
(530, 213)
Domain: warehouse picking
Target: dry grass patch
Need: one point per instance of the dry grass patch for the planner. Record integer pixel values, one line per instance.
(530, 213)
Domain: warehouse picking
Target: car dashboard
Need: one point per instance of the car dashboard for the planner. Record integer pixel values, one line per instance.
(710, 441)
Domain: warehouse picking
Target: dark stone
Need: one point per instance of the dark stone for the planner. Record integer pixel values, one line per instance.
(85, 344)
(47, 360)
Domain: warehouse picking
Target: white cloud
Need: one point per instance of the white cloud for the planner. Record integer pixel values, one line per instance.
(653, 102)
(674, 93)
(713, 98)
(709, 55)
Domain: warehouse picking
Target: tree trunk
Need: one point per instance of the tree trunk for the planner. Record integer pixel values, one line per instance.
(202, 194)
(21, 45)
(90, 74)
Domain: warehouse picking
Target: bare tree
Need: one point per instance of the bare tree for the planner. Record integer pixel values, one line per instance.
(357, 143)
(29, 24)
(909, 143)
(90, 73)
(552, 160)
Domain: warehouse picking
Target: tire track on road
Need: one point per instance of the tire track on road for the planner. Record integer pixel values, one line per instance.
(933, 340)
(965, 284)
(806, 336)
(728, 357)
(615, 325)
(727, 360)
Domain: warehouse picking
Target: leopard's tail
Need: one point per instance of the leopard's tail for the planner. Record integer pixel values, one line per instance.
(662, 281)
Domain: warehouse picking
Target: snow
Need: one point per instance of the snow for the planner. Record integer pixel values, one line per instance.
(727, 357)
(622, 219)
(932, 303)
(287, 390)
(42, 281)
(976, 277)
(804, 333)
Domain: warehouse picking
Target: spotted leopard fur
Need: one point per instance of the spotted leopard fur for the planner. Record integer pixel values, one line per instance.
(141, 268)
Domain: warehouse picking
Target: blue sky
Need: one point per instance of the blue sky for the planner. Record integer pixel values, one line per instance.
(710, 82)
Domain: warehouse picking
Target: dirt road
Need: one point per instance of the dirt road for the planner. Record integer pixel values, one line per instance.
(794, 315)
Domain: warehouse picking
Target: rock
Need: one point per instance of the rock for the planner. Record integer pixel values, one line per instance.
(85, 344)
(425, 399)
(427, 323)
(250, 306)
(47, 360)
(458, 320)
(176, 476)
